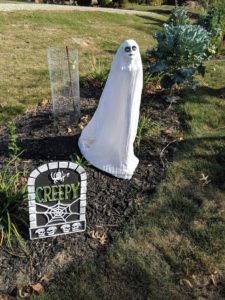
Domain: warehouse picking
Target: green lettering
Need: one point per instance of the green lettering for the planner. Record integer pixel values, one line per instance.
(54, 193)
(74, 188)
(38, 194)
(47, 193)
(67, 191)
(61, 192)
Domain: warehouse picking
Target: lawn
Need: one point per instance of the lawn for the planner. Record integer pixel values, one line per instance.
(26, 36)
(174, 247)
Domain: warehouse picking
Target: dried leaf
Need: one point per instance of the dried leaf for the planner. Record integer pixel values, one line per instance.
(204, 179)
(24, 291)
(44, 102)
(37, 288)
(22, 181)
(6, 297)
(45, 279)
(69, 130)
(180, 136)
(186, 282)
(213, 279)
(81, 126)
(168, 132)
(100, 237)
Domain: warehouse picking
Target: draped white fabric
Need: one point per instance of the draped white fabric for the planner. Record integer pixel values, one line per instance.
(107, 140)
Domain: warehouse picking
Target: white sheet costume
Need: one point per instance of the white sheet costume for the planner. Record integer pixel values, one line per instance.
(107, 141)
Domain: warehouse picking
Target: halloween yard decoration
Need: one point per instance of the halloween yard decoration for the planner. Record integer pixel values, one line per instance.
(107, 141)
(57, 199)
(64, 77)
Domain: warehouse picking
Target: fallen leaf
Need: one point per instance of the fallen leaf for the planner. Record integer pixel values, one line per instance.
(186, 282)
(69, 130)
(6, 297)
(45, 279)
(168, 132)
(44, 102)
(204, 179)
(213, 279)
(24, 291)
(22, 181)
(180, 136)
(100, 237)
(37, 288)
(81, 126)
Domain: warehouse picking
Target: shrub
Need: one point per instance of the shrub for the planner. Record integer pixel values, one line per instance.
(179, 54)
(104, 3)
(212, 23)
(179, 17)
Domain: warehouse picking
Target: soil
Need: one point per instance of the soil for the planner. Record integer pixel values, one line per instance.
(111, 202)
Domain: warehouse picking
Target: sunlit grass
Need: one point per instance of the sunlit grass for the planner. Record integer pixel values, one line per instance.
(26, 36)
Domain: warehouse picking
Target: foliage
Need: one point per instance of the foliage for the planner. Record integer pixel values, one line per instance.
(13, 213)
(146, 129)
(179, 55)
(211, 22)
(104, 3)
(80, 160)
(12, 145)
(179, 17)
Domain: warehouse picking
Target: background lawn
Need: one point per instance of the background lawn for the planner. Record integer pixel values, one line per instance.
(26, 36)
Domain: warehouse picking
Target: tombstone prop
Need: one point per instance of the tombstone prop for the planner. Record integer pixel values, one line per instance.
(107, 141)
(64, 77)
(57, 199)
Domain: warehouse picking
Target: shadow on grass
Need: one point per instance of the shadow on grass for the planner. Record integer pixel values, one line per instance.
(160, 11)
(152, 20)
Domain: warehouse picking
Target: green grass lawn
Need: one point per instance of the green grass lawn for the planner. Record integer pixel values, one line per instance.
(26, 36)
(175, 247)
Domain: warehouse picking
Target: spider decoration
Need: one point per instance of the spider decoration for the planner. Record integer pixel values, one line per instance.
(57, 213)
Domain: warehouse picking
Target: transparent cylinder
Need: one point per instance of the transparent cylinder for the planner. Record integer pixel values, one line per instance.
(65, 90)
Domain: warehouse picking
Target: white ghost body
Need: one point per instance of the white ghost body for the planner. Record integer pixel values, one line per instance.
(107, 141)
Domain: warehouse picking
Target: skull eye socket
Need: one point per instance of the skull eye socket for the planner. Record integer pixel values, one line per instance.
(127, 49)
(134, 48)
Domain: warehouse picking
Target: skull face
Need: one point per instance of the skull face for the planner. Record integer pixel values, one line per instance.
(76, 226)
(130, 49)
(51, 230)
(65, 228)
(40, 232)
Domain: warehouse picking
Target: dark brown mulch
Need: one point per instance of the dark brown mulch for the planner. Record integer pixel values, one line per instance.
(111, 202)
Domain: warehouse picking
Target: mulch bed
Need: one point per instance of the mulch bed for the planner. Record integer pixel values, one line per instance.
(111, 202)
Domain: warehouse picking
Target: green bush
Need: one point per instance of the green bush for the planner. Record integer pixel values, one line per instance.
(212, 23)
(179, 17)
(104, 3)
(179, 55)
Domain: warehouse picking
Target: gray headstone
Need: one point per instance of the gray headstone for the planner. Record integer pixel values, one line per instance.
(57, 199)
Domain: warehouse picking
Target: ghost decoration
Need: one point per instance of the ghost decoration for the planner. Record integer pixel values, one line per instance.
(107, 140)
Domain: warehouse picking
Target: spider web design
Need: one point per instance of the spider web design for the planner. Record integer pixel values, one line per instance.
(58, 212)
